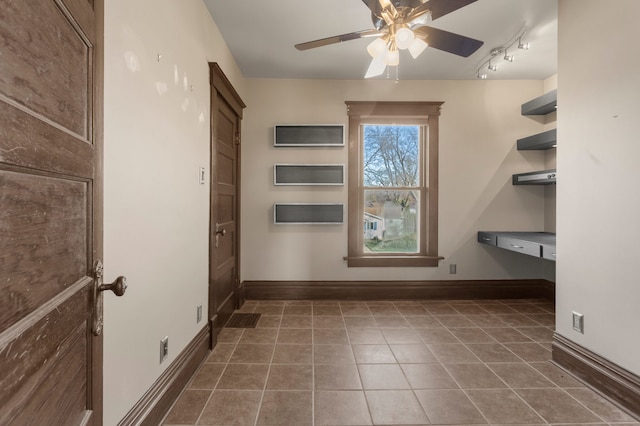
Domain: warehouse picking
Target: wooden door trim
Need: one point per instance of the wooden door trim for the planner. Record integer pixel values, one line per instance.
(224, 88)
(96, 356)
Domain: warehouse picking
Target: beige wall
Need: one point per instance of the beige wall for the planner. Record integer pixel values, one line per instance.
(479, 126)
(156, 213)
(598, 202)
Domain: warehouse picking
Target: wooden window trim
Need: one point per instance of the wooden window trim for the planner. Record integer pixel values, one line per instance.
(362, 113)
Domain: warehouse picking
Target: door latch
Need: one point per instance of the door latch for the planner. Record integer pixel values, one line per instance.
(119, 286)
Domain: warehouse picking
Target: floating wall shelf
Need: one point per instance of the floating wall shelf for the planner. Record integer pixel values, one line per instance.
(544, 140)
(541, 105)
(537, 244)
(542, 177)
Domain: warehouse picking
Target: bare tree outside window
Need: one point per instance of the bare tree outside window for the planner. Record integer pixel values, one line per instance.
(391, 169)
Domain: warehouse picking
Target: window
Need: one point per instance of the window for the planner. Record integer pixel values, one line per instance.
(393, 178)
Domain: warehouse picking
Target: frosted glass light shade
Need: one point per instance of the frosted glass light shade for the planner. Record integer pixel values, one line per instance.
(404, 38)
(376, 47)
(417, 47)
(392, 58)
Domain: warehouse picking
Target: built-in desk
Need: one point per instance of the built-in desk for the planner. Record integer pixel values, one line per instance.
(537, 244)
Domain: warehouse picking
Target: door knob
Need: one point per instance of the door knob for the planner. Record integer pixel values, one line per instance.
(219, 232)
(118, 287)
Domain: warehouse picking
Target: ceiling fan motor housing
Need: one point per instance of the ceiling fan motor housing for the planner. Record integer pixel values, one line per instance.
(402, 6)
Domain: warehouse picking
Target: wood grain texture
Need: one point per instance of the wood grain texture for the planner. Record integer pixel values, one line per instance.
(611, 380)
(397, 290)
(50, 222)
(43, 248)
(44, 368)
(29, 142)
(46, 64)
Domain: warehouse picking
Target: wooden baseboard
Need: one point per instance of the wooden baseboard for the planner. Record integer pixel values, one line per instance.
(604, 376)
(398, 290)
(156, 402)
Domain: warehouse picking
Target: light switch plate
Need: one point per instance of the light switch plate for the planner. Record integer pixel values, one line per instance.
(164, 348)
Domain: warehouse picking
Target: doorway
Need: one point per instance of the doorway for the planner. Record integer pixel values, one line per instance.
(225, 293)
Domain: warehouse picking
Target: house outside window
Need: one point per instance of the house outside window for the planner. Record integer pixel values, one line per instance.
(393, 176)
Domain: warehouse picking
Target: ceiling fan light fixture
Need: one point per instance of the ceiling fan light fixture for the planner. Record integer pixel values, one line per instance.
(392, 58)
(417, 47)
(404, 38)
(377, 47)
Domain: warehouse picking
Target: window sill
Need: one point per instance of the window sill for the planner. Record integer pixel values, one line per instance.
(392, 261)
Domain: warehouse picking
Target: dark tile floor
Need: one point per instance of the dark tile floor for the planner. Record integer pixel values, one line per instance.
(453, 362)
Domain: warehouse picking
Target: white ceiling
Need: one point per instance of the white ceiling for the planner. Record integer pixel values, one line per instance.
(262, 39)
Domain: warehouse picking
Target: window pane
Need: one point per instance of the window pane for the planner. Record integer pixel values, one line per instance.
(391, 155)
(391, 221)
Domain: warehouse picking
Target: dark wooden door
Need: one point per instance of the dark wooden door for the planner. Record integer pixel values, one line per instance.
(226, 115)
(50, 211)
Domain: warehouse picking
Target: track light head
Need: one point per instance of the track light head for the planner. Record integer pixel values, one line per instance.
(523, 46)
(507, 57)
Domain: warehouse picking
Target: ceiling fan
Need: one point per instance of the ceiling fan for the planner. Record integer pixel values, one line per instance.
(402, 24)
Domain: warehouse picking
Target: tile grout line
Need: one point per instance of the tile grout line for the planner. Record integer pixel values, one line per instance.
(266, 380)
(219, 377)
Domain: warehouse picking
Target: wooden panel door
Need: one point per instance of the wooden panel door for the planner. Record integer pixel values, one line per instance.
(50, 211)
(226, 115)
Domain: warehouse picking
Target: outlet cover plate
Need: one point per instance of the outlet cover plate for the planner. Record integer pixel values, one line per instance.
(578, 322)
(199, 314)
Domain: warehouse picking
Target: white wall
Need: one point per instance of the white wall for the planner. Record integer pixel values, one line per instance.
(156, 213)
(479, 126)
(598, 202)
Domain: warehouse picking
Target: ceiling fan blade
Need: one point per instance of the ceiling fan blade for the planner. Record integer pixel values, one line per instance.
(439, 8)
(449, 42)
(372, 5)
(337, 39)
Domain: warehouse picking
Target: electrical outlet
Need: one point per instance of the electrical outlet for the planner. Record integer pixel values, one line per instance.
(578, 322)
(453, 268)
(164, 348)
(199, 314)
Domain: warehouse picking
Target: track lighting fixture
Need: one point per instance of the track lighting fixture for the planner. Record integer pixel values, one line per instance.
(490, 61)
